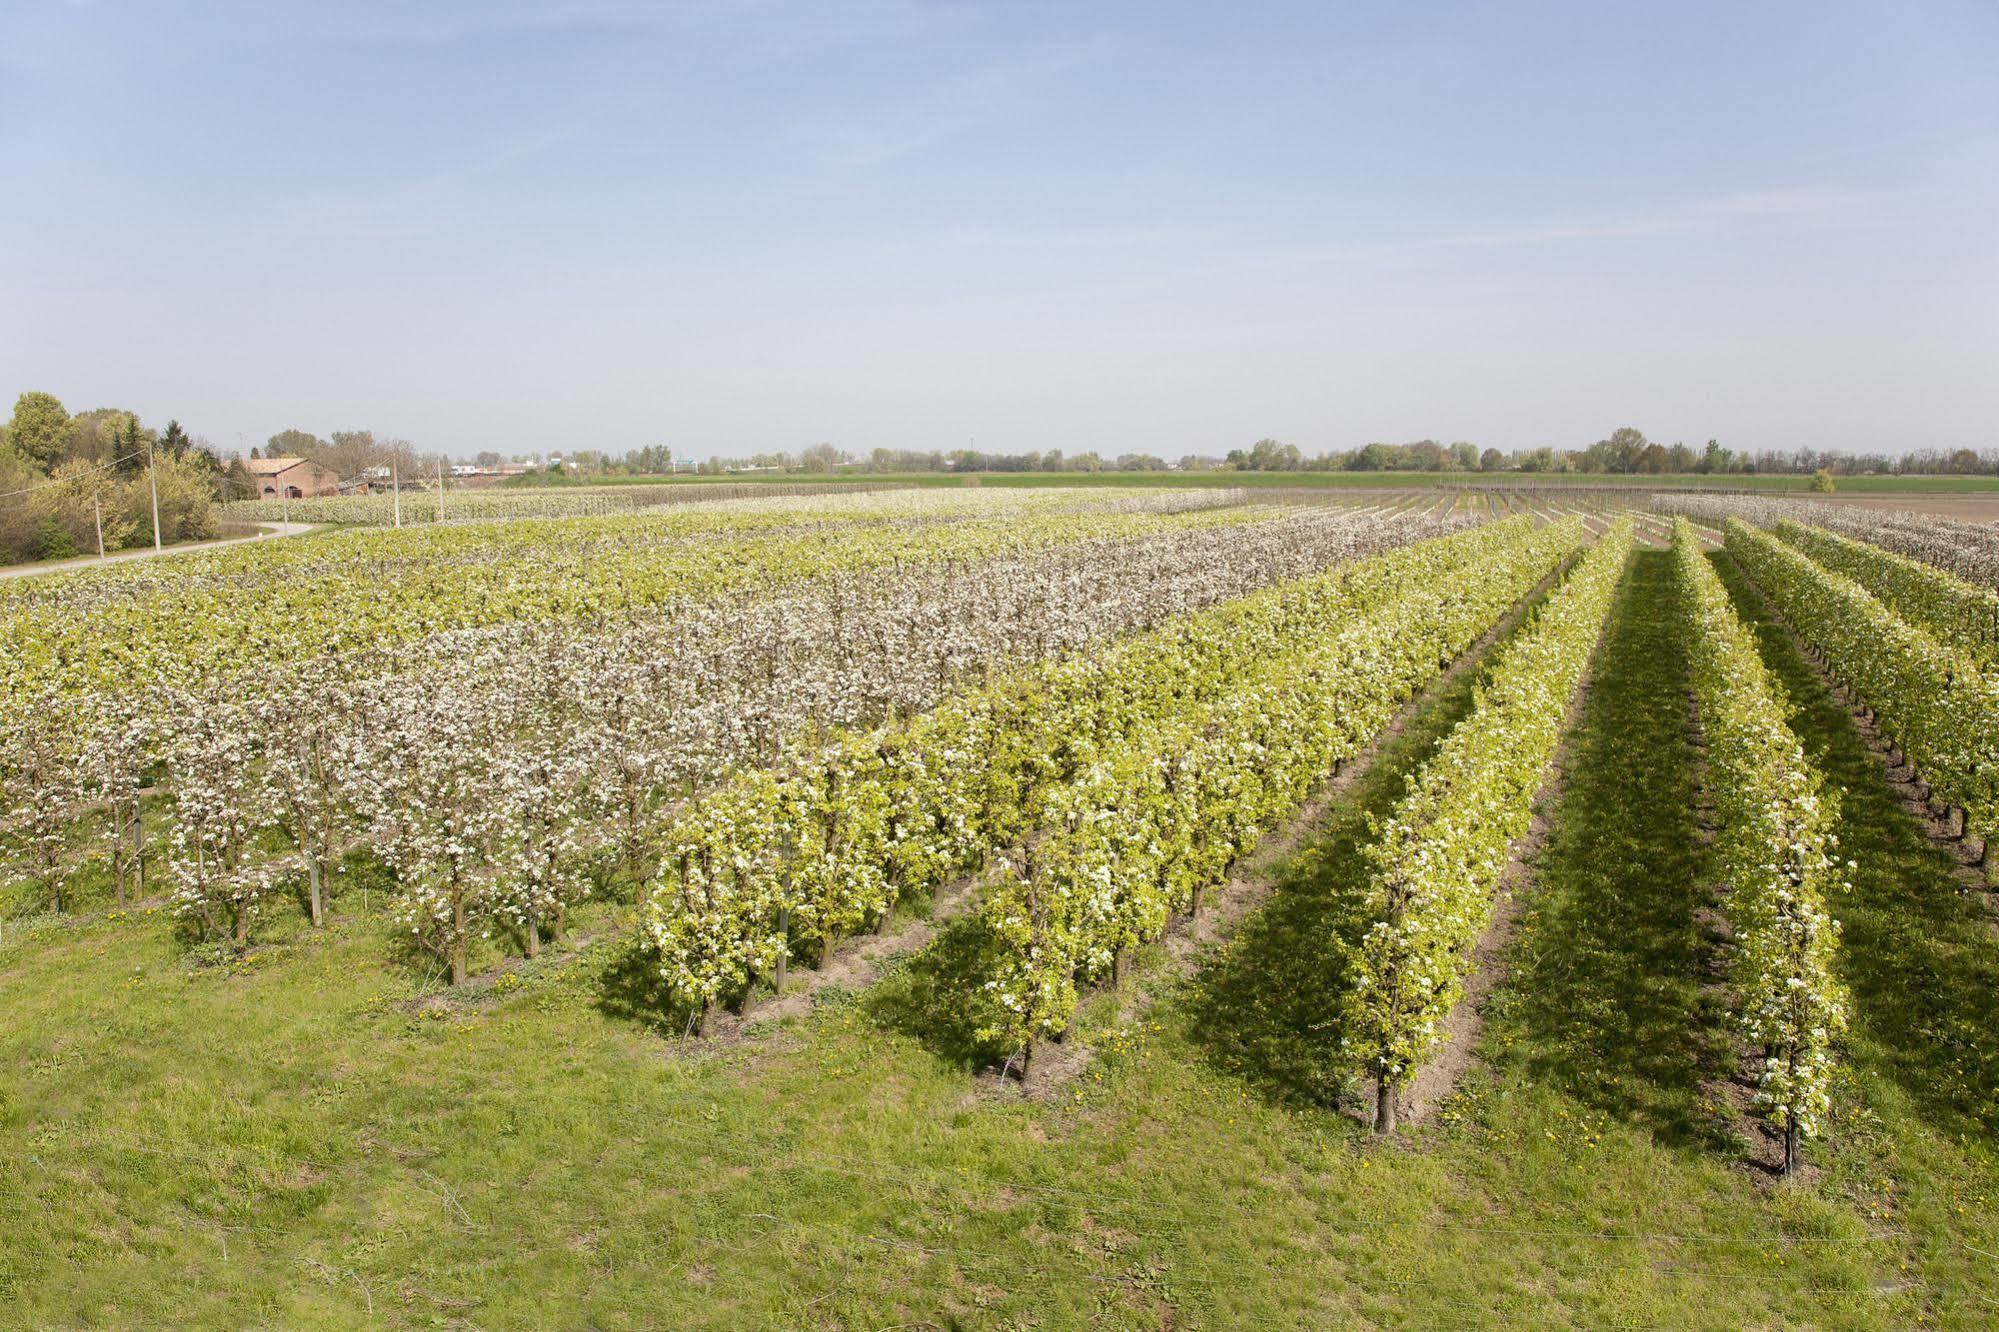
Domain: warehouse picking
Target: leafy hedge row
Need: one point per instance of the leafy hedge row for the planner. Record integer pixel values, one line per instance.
(1959, 614)
(778, 858)
(1929, 698)
(1777, 856)
(1154, 821)
(1435, 867)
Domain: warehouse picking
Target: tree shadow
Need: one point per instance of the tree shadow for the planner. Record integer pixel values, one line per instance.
(937, 995)
(630, 989)
(1917, 951)
(1605, 994)
(1266, 1009)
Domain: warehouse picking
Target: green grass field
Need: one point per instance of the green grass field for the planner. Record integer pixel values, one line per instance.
(316, 1136)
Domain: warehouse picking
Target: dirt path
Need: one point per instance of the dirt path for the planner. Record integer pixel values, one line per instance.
(148, 553)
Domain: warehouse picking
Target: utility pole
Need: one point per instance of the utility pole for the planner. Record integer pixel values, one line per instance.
(396, 491)
(97, 512)
(440, 488)
(153, 479)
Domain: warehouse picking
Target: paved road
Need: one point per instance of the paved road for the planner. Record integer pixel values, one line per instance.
(147, 552)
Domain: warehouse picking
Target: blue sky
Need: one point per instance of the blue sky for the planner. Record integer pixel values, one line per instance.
(735, 225)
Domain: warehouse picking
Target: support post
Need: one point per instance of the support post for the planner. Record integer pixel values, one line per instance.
(153, 480)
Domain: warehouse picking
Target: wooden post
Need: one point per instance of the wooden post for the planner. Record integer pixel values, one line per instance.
(97, 514)
(396, 492)
(153, 480)
(139, 840)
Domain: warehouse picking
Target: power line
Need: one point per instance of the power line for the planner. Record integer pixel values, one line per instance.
(70, 480)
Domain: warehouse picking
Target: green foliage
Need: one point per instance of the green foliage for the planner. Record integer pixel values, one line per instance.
(1959, 614)
(1776, 851)
(1436, 865)
(52, 542)
(38, 428)
(1166, 813)
(1058, 746)
(1931, 699)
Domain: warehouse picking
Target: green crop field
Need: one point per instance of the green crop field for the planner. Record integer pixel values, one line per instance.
(1097, 907)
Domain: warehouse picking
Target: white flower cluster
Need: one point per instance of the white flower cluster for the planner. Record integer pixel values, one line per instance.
(203, 618)
(1969, 550)
(832, 838)
(488, 764)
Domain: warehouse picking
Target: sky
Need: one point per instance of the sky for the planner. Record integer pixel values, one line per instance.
(733, 226)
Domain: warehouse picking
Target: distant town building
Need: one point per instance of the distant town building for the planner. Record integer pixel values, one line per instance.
(292, 478)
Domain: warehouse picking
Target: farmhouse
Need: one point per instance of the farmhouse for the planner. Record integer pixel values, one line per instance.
(292, 478)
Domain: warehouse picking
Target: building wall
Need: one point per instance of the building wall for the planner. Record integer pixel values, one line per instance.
(309, 479)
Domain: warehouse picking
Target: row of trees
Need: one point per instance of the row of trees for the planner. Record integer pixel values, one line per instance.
(70, 484)
(1625, 451)
(349, 453)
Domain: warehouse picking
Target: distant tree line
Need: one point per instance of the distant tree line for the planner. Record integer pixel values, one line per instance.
(350, 454)
(1625, 451)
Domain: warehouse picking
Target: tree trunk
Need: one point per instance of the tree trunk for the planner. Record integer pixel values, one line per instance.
(784, 948)
(534, 939)
(1792, 1154)
(1384, 1104)
(240, 934)
(139, 844)
(315, 899)
(458, 941)
(1120, 965)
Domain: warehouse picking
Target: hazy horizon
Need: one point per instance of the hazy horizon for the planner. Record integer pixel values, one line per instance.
(735, 227)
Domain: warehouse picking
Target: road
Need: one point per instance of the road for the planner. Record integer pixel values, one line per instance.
(147, 552)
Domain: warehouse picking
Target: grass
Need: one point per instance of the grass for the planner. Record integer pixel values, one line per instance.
(1606, 999)
(1917, 1142)
(318, 1137)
